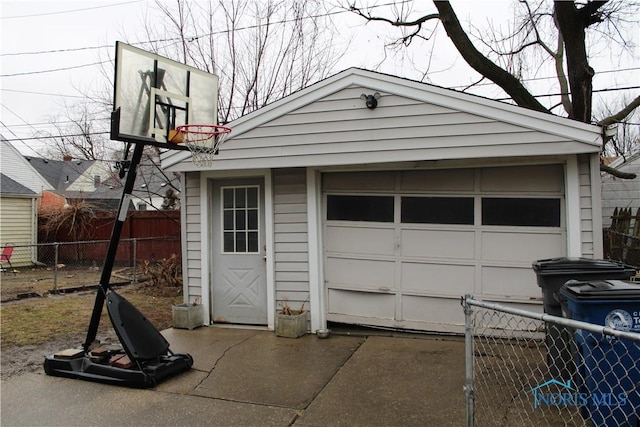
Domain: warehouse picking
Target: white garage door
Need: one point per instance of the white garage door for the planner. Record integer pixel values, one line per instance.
(402, 247)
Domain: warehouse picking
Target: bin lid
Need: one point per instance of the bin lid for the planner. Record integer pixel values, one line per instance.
(579, 265)
(601, 290)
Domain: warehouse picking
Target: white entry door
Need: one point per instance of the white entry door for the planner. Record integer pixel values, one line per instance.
(239, 286)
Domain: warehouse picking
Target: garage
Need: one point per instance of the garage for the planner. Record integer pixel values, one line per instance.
(402, 247)
(386, 217)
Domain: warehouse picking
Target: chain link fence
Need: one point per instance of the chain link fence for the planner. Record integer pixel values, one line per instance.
(530, 369)
(64, 266)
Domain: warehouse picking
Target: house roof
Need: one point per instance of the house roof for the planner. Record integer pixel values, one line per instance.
(154, 182)
(9, 187)
(60, 173)
(150, 181)
(326, 124)
(16, 167)
(622, 161)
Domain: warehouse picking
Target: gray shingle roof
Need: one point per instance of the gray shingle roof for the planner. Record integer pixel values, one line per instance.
(60, 174)
(10, 187)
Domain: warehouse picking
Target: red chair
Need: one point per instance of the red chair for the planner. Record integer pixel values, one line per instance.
(5, 258)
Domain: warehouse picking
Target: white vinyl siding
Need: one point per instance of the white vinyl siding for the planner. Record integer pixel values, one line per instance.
(17, 216)
(586, 209)
(337, 130)
(15, 166)
(621, 193)
(291, 241)
(192, 224)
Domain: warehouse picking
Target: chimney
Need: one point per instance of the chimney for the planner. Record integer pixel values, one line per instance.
(67, 157)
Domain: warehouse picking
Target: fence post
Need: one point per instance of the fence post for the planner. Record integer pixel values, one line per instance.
(468, 346)
(56, 247)
(135, 260)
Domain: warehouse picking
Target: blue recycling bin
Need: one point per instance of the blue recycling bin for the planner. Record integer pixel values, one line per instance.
(608, 367)
(551, 274)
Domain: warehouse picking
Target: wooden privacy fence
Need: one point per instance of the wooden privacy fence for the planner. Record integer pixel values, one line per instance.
(622, 238)
(624, 222)
(142, 233)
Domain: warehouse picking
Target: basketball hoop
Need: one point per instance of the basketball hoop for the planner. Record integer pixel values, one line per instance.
(203, 141)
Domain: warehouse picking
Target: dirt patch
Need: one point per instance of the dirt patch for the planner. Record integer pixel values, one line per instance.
(35, 327)
(31, 282)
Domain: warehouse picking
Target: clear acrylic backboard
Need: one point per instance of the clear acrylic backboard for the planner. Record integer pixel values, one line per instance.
(154, 95)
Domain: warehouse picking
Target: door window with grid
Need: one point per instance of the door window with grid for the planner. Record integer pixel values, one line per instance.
(240, 219)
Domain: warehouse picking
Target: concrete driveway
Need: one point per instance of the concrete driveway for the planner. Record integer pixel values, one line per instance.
(244, 377)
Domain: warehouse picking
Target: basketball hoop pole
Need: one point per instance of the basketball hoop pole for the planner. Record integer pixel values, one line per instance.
(144, 357)
(113, 245)
(149, 359)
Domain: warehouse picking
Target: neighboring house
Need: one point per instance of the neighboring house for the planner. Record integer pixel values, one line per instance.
(385, 216)
(74, 179)
(621, 193)
(14, 165)
(95, 183)
(20, 188)
(18, 224)
(152, 185)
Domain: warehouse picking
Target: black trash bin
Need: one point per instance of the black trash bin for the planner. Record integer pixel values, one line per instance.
(551, 275)
(609, 367)
(554, 272)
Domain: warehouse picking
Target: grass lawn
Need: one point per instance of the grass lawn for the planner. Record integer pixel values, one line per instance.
(38, 320)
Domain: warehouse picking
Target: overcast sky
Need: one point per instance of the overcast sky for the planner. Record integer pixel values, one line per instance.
(51, 53)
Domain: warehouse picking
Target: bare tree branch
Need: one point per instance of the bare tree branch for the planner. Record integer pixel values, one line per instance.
(396, 23)
(481, 63)
(620, 115)
(617, 173)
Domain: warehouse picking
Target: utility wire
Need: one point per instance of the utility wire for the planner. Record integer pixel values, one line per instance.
(611, 89)
(107, 133)
(34, 138)
(58, 122)
(196, 37)
(27, 73)
(17, 138)
(104, 119)
(15, 114)
(44, 52)
(44, 93)
(67, 11)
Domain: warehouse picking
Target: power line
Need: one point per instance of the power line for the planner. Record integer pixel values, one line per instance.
(27, 73)
(43, 52)
(58, 122)
(194, 37)
(533, 79)
(44, 93)
(107, 133)
(15, 114)
(612, 89)
(33, 138)
(17, 138)
(67, 11)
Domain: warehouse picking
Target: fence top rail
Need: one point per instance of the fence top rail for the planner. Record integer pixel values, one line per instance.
(87, 242)
(590, 327)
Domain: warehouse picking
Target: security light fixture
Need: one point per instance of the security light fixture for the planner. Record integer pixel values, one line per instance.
(371, 101)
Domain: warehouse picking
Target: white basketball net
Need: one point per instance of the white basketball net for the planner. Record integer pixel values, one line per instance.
(203, 141)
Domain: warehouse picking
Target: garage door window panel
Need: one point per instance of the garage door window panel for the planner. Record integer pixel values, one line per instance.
(524, 212)
(360, 208)
(437, 210)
